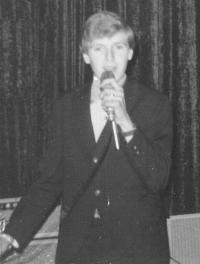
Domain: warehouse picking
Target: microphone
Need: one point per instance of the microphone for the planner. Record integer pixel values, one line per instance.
(110, 112)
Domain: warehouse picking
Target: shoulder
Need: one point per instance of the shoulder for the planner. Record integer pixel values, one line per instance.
(146, 96)
(148, 107)
(65, 104)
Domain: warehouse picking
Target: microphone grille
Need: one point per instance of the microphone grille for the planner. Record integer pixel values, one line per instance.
(106, 75)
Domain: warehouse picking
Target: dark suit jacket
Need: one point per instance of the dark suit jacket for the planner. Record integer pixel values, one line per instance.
(132, 227)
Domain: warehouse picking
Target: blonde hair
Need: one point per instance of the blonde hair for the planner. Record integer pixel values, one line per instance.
(105, 24)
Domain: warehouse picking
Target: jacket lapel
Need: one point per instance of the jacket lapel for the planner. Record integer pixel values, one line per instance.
(83, 130)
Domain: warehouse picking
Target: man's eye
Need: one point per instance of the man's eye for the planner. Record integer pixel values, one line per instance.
(120, 46)
(98, 48)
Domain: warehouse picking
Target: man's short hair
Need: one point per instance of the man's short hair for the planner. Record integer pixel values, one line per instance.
(105, 24)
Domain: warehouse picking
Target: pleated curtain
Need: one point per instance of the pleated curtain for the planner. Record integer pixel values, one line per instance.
(40, 61)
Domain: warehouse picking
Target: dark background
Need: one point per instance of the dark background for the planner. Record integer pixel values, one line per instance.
(40, 61)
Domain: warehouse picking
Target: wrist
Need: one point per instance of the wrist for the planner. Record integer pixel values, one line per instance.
(129, 134)
(128, 127)
(126, 124)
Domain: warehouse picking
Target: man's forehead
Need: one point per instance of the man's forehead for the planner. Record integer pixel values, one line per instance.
(119, 37)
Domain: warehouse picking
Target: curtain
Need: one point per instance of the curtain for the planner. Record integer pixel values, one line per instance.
(41, 61)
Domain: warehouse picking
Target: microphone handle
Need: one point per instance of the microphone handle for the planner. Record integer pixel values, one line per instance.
(114, 127)
(110, 112)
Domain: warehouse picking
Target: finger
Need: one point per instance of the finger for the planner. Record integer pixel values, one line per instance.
(112, 95)
(111, 83)
(115, 104)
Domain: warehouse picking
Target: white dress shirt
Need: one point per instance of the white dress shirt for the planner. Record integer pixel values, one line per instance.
(97, 113)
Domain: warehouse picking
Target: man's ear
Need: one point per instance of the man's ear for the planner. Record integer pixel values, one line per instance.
(86, 58)
(130, 55)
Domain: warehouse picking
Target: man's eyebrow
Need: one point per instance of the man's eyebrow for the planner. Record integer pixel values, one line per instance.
(122, 42)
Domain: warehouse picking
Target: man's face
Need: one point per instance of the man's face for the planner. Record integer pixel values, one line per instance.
(109, 54)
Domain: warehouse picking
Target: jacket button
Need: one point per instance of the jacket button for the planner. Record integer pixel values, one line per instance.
(97, 192)
(96, 214)
(95, 160)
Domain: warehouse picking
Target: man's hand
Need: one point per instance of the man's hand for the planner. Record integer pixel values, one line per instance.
(112, 97)
(5, 245)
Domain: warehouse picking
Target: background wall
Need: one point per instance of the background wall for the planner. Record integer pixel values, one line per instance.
(40, 61)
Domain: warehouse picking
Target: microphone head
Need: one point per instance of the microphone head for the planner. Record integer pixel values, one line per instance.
(107, 75)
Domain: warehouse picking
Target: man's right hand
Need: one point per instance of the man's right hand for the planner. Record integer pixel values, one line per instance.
(5, 245)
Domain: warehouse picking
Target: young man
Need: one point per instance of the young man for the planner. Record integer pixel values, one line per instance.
(109, 162)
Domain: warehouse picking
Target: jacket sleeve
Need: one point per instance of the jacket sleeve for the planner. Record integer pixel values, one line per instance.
(149, 151)
(36, 205)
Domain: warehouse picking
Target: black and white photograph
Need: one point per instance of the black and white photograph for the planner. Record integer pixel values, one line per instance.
(99, 132)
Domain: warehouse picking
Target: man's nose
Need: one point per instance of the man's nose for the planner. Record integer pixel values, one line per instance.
(110, 57)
